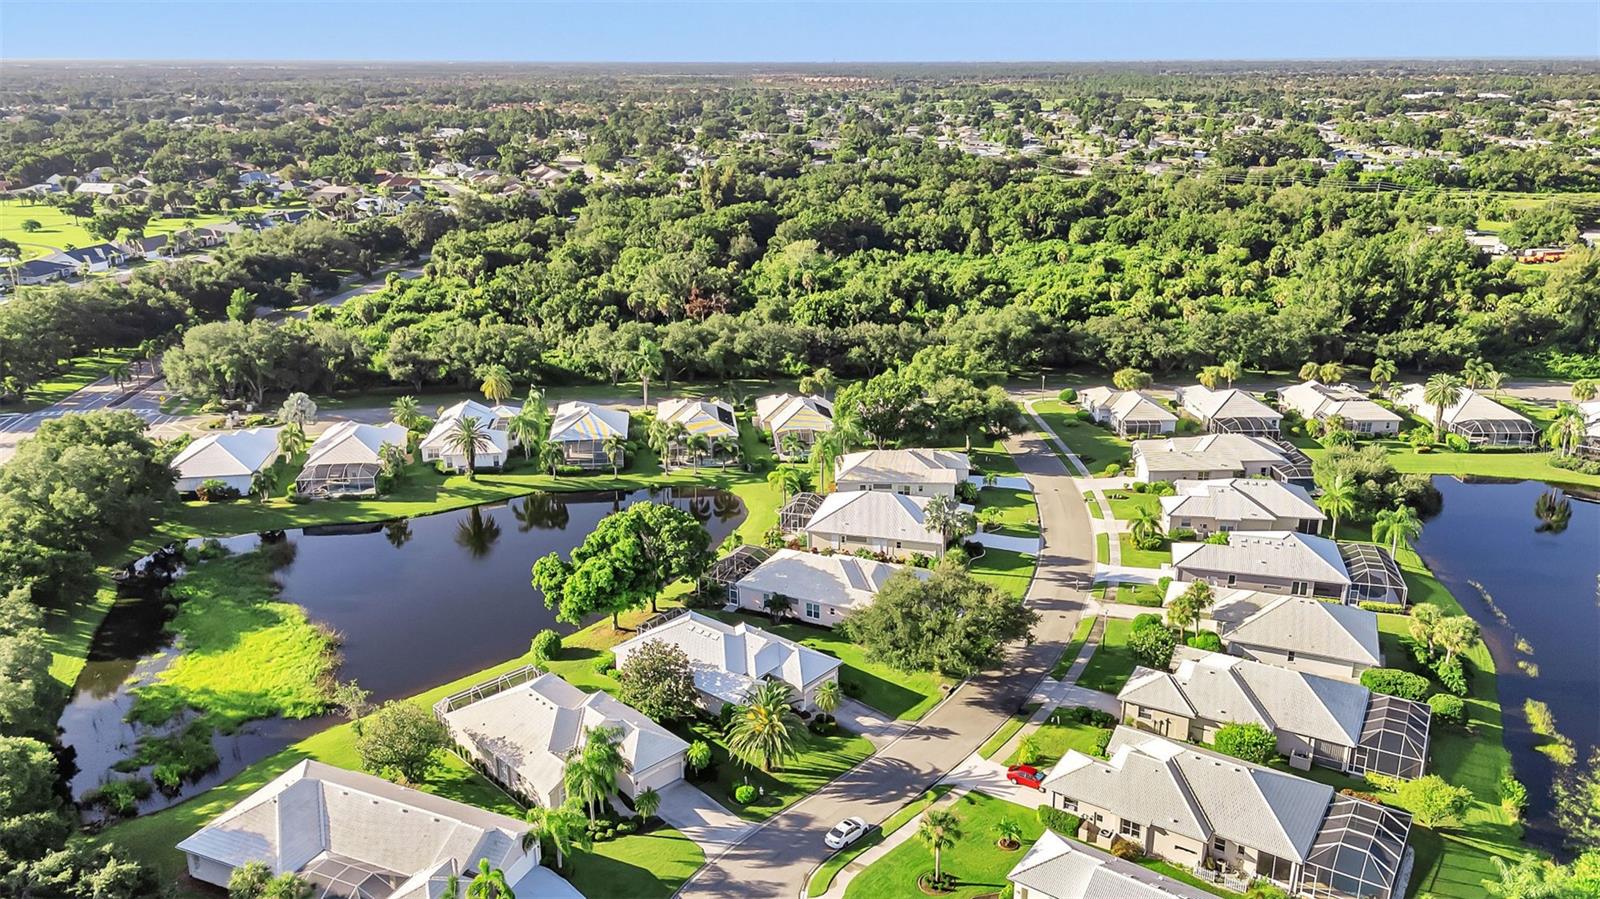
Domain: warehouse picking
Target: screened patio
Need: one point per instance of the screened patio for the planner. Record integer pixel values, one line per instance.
(1358, 852)
(338, 479)
(1394, 738)
(1374, 575)
(797, 512)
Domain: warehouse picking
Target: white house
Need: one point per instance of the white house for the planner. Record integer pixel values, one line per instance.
(1239, 504)
(346, 458)
(582, 430)
(892, 524)
(1316, 401)
(232, 457)
(916, 472)
(1295, 564)
(1475, 417)
(1128, 412)
(1230, 411)
(712, 419)
(784, 414)
(1206, 457)
(491, 452)
(731, 660)
(1326, 638)
(352, 834)
(523, 725)
(823, 588)
(1054, 868)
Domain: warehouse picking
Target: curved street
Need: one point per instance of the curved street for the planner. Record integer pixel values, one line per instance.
(777, 859)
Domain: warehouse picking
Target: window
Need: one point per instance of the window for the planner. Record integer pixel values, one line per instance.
(1289, 656)
(813, 610)
(1069, 805)
(1131, 829)
(1233, 579)
(1144, 714)
(1299, 588)
(1184, 523)
(1219, 845)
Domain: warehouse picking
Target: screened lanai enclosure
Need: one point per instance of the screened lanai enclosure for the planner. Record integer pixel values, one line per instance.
(1394, 738)
(797, 512)
(338, 479)
(1374, 575)
(1359, 852)
(1497, 431)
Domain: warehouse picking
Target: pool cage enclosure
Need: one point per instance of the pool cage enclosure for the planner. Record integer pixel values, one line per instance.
(1496, 431)
(1359, 852)
(1394, 738)
(339, 479)
(1253, 426)
(1374, 576)
(732, 568)
(797, 512)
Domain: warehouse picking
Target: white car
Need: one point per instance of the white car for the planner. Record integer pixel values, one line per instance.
(845, 832)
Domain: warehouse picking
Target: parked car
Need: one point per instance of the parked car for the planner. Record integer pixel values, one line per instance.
(1026, 776)
(845, 832)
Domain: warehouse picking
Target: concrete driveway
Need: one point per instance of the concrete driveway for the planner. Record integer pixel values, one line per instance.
(859, 718)
(778, 858)
(701, 818)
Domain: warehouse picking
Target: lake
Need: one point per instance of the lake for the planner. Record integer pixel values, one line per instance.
(417, 602)
(1489, 545)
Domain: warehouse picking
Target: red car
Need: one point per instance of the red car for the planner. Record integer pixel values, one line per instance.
(1026, 776)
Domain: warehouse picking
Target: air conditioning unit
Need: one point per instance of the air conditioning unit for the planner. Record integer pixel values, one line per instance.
(1300, 761)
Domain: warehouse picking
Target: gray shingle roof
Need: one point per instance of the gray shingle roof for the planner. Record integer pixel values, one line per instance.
(1298, 624)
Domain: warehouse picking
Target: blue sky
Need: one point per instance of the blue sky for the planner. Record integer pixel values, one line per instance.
(730, 31)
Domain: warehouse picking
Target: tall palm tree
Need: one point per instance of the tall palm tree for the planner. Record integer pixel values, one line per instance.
(465, 438)
(1187, 607)
(529, 427)
(1308, 372)
(647, 363)
(591, 772)
(1330, 372)
(616, 447)
(1383, 372)
(819, 383)
(939, 830)
(827, 697)
(406, 412)
(766, 730)
(1338, 498)
(563, 826)
(1394, 525)
(1209, 377)
(698, 446)
(261, 484)
(728, 448)
(1231, 371)
(677, 440)
(1145, 526)
(790, 445)
(1456, 634)
(787, 479)
(1441, 392)
(825, 453)
(1566, 431)
(647, 803)
(1475, 373)
(944, 515)
(496, 386)
(292, 441)
(1424, 623)
(489, 883)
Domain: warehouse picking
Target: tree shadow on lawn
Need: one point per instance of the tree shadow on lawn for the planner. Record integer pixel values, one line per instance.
(879, 693)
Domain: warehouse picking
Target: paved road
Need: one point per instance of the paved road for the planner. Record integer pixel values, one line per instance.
(777, 860)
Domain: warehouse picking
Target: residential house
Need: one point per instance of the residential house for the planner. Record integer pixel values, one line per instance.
(1295, 564)
(150, 249)
(1316, 720)
(822, 587)
(712, 419)
(350, 834)
(232, 457)
(1316, 401)
(915, 472)
(1192, 807)
(491, 453)
(793, 420)
(730, 660)
(521, 728)
(333, 193)
(1327, 638)
(256, 178)
(98, 188)
(582, 430)
(891, 524)
(1230, 411)
(400, 183)
(1128, 412)
(347, 459)
(1590, 445)
(1239, 504)
(1054, 868)
(1208, 457)
(41, 271)
(1474, 416)
(97, 258)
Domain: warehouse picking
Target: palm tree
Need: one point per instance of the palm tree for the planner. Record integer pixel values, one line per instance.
(944, 515)
(563, 826)
(465, 438)
(591, 773)
(1210, 377)
(1009, 833)
(406, 412)
(1566, 431)
(489, 883)
(496, 386)
(647, 363)
(776, 605)
(1475, 372)
(787, 479)
(939, 830)
(1145, 526)
(647, 803)
(529, 426)
(1494, 379)
(1383, 372)
(827, 697)
(261, 484)
(1441, 392)
(1424, 624)
(1585, 389)
(1231, 371)
(677, 440)
(1456, 633)
(699, 446)
(825, 452)
(1186, 608)
(819, 383)
(766, 730)
(1308, 372)
(1330, 372)
(1394, 525)
(292, 441)
(1338, 498)
(616, 447)
(728, 448)
(790, 445)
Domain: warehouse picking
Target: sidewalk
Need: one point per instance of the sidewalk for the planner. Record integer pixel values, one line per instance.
(906, 831)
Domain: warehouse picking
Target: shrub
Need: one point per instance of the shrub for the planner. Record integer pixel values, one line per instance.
(605, 662)
(1112, 470)
(1394, 682)
(1146, 619)
(1391, 608)
(1153, 646)
(1064, 823)
(1163, 488)
(967, 492)
(1457, 443)
(1250, 742)
(1083, 714)
(215, 491)
(1126, 849)
(1028, 750)
(744, 794)
(1452, 676)
(120, 796)
(1206, 640)
(1139, 487)
(1101, 741)
(1513, 796)
(1447, 708)
(1068, 396)
(625, 827)
(1434, 802)
(545, 645)
(1083, 415)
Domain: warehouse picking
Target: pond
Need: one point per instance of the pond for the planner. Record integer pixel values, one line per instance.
(1533, 553)
(417, 602)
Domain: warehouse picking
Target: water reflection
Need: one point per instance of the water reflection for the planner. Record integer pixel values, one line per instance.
(1554, 511)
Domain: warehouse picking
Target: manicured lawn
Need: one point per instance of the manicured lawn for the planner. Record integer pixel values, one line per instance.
(1096, 446)
(1056, 736)
(1102, 548)
(76, 375)
(907, 695)
(1007, 731)
(1488, 463)
(1125, 502)
(1142, 558)
(1007, 570)
(978, 865)
(821, 759)
(58, 230)
(1148, 595)
(1111, 664)
(1185, 876)
(1019, 515)
(991, 458)
(651, 865)
(1079, 636)
(823, 878)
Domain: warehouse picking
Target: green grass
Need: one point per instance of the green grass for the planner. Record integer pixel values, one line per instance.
(1080, 635)
(649, 866)
(823, 878)
(1125, 502)
(1147, 595)
(1019, 515)
(1056, 736)
(1007, 730)
(74, 376)
(1142, 558)
(245, 655)
(1010, 571)
(1510, 464)
(1102, 548)
(58, 230)
(1096, 446)
(821, 759)
(1112, 662)
(978, 865)
(992, 458)
(904, 695)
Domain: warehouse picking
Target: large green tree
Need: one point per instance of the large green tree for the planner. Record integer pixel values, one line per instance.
(949, 622)
(624, 563)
